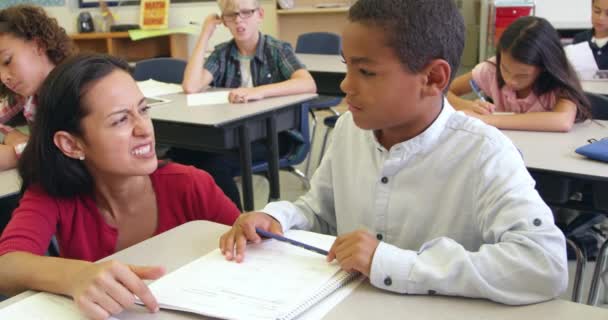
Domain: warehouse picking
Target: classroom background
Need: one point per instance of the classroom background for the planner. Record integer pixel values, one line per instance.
(567, 16)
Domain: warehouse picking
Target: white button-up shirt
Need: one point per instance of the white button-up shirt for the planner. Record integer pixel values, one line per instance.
(455, 208)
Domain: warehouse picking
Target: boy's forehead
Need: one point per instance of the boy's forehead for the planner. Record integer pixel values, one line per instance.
(364, 43)
(235, 5)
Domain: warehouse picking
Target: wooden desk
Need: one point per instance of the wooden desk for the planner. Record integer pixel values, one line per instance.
(185, 243)
(120, 44)
(327, 70)
(9, 183)
(598, 87)
(226, 127)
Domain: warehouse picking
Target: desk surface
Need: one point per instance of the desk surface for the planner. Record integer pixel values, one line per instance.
(595, 86)
(322, 62)
(9, 183)
(217, 115)
(183, 244)
(554, 151)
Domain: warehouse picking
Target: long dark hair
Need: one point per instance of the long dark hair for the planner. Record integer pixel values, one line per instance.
(60, 108)
(30, 22)
(534, 41)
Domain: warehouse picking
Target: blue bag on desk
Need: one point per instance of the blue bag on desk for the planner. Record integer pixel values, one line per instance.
(597, 150)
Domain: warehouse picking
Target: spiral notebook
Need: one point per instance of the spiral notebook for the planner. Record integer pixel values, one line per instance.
(275, 281)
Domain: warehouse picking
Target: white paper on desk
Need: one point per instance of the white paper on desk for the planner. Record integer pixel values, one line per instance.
(153, 88)
(207, 98)
(43, 306)
(581, 57)
(273, 280)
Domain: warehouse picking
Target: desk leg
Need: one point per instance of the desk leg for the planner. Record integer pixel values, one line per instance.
(245, 153)
(273, 158)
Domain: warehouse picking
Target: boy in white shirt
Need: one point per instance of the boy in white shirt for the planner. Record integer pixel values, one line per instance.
(424, 200)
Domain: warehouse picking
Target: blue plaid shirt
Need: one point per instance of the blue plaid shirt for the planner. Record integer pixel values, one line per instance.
(274, 61)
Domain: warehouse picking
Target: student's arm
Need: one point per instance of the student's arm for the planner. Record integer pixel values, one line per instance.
(523, 259)
(196, 78)
(8, 157)
(459, 87)
(300, 82)
(98, 289)
(560, 119)
(15, 137)
(313, 211)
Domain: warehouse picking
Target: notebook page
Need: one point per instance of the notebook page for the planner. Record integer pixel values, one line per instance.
(153, 88)
(581, 57)
(207, 98)
(43, 306)
(274, 279)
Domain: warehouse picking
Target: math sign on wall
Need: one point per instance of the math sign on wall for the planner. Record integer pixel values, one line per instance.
(154, 14)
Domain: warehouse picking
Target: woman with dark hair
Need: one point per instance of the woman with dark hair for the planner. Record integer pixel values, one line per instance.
(31, 45)
(92, 179)
(530, 77)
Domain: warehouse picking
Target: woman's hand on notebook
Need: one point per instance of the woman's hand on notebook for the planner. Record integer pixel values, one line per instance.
(233, 242)
(354, 251)
(104, 289)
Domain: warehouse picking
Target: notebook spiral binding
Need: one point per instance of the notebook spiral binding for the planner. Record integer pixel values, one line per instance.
(336, 283)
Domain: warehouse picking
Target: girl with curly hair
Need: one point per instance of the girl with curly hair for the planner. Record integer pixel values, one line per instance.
(31, 45)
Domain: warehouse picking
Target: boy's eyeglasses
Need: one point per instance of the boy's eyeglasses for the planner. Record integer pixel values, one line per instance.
(243, 14)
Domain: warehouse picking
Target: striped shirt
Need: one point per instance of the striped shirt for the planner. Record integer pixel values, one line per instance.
(274, 61)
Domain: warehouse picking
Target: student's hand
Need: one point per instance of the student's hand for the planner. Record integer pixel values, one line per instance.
(482, 107)
(210, 24)
(233, 242)
(354, 251)
(104, 289)
(243, 95)
(15, 137)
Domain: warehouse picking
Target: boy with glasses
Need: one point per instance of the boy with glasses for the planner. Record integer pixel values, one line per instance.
(258, 66)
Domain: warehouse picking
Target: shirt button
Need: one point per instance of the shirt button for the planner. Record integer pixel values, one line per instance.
(388, 281)
(384, 180)
(537, 222)
(432, 292)
(379, 236)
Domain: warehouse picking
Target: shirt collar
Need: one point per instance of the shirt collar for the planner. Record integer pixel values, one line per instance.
(425, 140)
(259, 50)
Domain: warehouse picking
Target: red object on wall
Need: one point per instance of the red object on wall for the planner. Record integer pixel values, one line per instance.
(506, 15)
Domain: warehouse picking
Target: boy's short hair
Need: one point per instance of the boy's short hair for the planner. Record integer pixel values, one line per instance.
(233, 5)
(418, 30)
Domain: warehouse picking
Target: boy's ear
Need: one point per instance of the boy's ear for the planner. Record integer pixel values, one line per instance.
(261, 12)
(69, 145)
(437, 77)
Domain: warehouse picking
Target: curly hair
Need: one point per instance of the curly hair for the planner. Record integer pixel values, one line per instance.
(29, 22)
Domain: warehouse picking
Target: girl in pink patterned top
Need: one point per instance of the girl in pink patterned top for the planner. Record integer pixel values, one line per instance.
(530, 77)
(31, 45)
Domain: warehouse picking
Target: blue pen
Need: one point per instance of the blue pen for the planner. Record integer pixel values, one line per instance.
(476, 89)
(275, 236)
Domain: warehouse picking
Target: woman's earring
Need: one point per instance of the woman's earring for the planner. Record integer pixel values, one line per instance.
(81, 158)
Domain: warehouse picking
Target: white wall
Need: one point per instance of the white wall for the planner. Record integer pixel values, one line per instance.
(180, 14)
(565, 14)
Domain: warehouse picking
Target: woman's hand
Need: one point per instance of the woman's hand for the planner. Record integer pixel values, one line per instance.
(104, 289)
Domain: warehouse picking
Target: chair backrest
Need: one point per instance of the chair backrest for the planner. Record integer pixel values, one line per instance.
(599, 106)
(168, 70)
(319, 43)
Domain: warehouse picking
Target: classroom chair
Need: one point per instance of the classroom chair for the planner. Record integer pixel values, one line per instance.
(599, 106)
(168, 70)
(320, 43)
(297, 153)
(330, 123)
